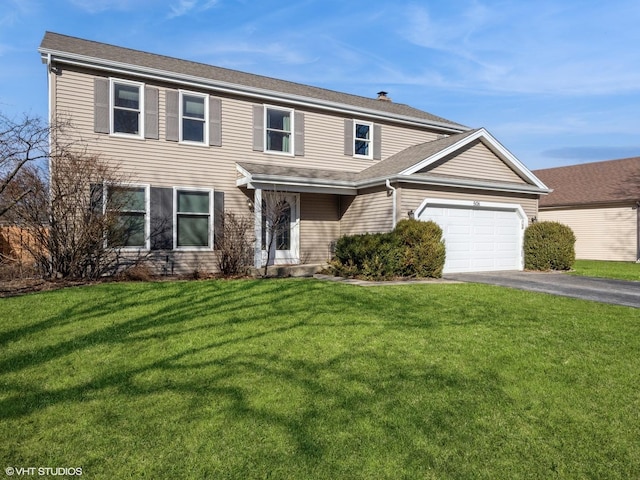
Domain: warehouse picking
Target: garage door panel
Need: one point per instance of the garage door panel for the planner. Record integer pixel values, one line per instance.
(478, 239)
(459, 229)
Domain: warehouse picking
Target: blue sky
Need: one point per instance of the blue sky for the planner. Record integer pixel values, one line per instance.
(556, 82)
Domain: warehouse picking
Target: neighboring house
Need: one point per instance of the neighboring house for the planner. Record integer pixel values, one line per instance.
(199, 139)
(599, 201)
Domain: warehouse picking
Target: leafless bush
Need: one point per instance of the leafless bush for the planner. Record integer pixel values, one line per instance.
(234, 245)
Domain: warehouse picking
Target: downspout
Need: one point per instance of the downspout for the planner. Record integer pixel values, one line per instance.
(393, 195)
(638, 231)
(49, 114)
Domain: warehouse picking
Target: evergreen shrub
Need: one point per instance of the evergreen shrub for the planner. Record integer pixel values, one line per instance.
(549, 246)
(414, 249)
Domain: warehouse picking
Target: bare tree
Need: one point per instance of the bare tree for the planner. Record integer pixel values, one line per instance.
(276, 225)
(81, 217)
(23, 143)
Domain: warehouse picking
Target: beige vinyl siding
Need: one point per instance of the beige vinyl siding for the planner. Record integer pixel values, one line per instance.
(413, 197)
(601, 233)
(319, 226)
(476, 161)
(369, 212)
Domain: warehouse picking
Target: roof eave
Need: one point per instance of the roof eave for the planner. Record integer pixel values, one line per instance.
(456, 183)
(233, 88)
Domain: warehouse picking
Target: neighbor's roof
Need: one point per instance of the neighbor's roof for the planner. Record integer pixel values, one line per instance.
(611, 181)
(75, 50)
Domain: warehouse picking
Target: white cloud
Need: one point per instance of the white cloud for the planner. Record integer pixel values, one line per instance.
(181, 8)
(540, 47)
(184, 7)
(99, 6)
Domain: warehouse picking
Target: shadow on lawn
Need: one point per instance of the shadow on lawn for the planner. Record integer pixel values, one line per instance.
(263, 353)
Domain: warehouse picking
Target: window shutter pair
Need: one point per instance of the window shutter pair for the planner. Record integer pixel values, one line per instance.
(162, 218)
(349, 140)
(172, 125)
(258, 130)
(101, 105)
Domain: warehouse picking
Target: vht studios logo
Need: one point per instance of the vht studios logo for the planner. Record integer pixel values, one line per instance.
(43, 471)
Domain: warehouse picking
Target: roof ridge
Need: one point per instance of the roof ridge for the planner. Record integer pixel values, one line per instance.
(228, 75)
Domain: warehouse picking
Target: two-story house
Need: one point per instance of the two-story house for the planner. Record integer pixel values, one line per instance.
(198, 140)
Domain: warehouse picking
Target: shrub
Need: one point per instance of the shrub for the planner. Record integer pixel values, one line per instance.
(412, 249)
(234, 245)
(549, 246)
(420, 247)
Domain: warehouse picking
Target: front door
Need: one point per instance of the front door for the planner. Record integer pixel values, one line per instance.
(280, 228)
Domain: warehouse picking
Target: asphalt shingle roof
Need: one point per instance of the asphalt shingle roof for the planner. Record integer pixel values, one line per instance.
(410, 156)
(592, 183)
(54, 42)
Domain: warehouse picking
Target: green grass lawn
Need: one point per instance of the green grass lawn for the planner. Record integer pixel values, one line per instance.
(617, 270)
(303, 379)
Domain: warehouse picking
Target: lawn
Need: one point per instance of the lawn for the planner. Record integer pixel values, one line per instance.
(301, 379)
(617, 270)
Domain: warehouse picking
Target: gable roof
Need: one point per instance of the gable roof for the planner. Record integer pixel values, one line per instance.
(71, 50)
(412, 160)
(611, 181)
(401, 167)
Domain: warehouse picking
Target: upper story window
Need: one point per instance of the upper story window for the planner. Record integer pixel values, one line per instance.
(129, 206)
(127, 105)
(362, 139)
(193, 115)
(278, 131)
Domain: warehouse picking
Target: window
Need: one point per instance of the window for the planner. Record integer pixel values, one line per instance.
(128, 205)
(193, 218)
(362, 139)
(193, 114)
(126, 100)
(278, 131)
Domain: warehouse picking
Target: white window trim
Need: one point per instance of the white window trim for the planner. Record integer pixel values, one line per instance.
(291, 112)
(175, 218)
(112, 82)
(147, 212)
(205, 97)
(356, 139)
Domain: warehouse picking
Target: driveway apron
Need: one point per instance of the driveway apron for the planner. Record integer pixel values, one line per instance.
(618, 292)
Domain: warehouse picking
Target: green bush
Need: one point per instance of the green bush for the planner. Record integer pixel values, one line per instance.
(549, 246)
(413, 249)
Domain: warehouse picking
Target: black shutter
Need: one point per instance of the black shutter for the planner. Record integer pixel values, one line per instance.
(95, 199)
(161, 218)
(218, 218)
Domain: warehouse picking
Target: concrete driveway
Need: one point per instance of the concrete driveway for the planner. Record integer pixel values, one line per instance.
(618, 292)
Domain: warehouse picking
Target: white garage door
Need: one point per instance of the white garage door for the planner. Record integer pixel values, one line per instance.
(479, 237)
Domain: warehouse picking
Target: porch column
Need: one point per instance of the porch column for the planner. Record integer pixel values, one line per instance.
(257, 227)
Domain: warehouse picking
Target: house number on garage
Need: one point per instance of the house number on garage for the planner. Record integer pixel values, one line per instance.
(476, 204)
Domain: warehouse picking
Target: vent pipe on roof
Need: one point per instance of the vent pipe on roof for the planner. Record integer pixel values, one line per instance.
(382, 96)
